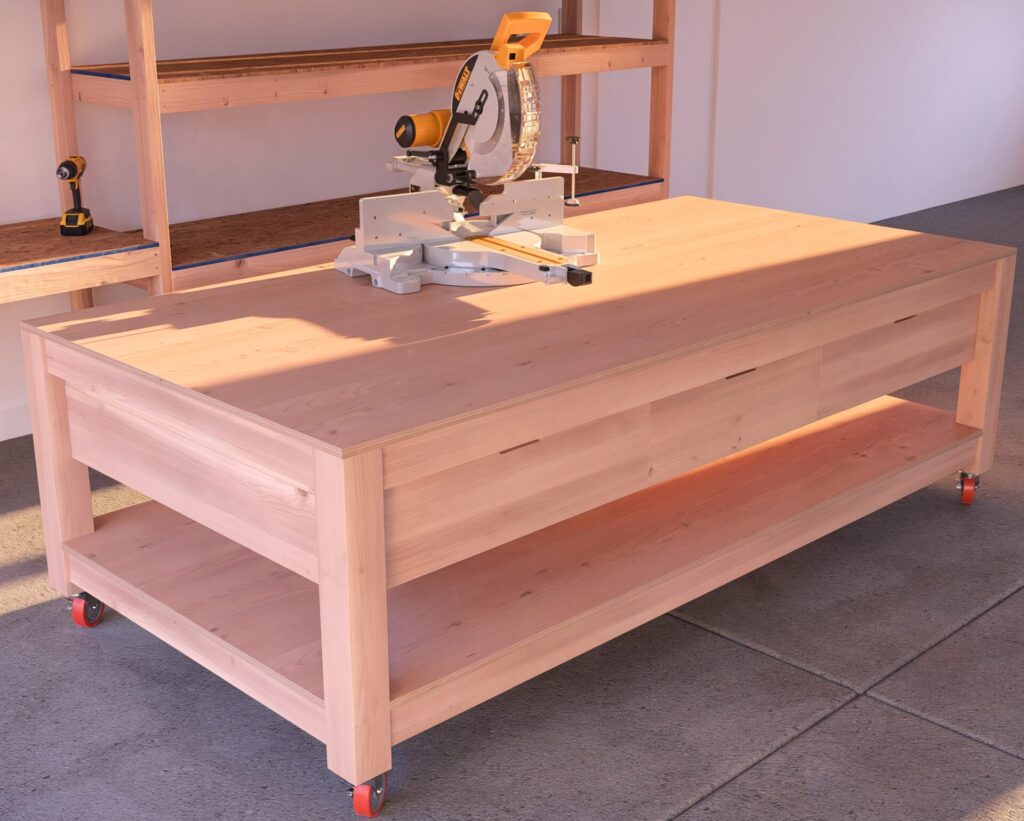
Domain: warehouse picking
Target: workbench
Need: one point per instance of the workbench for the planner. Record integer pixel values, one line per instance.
(372, 512)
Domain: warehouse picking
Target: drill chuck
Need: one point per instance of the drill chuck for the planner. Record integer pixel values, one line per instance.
(71, 169)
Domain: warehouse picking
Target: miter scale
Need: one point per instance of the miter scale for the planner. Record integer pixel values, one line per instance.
(490, 135)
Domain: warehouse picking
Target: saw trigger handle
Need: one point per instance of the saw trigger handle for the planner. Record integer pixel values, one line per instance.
(520, 34)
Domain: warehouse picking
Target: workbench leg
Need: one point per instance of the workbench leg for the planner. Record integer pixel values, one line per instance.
(64, 493)
(353, 614)
(981, 379)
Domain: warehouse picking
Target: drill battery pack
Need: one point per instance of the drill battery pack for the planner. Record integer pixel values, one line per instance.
(76, 222)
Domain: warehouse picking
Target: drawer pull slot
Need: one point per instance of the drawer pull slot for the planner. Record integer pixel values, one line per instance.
(904, 319)
(741, 373)
(517, 447)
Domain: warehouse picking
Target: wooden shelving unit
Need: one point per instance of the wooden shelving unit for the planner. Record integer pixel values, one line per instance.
(35, 260)
(214, 250)
(473, 629)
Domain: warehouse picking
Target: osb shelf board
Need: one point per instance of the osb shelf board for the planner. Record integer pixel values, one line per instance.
(222, 239)
(246, 65)
(235, 236)
(39, 242)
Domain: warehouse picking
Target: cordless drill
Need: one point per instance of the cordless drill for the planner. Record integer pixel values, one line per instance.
(78, 220)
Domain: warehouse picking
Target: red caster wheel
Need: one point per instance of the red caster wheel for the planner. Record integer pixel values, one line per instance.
(368, 799)
(86, 610)
(967, 486)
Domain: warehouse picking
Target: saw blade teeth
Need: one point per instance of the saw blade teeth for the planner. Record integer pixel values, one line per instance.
(525, 143)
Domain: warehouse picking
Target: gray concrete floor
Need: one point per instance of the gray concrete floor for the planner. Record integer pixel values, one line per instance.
(876, 674)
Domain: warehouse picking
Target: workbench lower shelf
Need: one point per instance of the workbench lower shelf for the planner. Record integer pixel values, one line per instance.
(476, 628)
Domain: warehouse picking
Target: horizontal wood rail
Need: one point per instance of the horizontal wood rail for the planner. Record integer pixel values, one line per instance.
(258, 79)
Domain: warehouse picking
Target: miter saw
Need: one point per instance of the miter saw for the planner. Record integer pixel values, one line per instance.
(445, 230)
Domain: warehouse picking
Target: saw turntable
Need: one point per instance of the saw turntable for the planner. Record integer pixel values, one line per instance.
(445, 230)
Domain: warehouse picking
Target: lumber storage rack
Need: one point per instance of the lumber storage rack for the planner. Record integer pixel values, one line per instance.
(35, 260)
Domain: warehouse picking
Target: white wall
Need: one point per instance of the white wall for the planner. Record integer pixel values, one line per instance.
(872, 108)
(854, 108)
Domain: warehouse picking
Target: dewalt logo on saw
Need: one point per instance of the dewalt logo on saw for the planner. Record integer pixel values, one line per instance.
(460, 86)
(463, 81)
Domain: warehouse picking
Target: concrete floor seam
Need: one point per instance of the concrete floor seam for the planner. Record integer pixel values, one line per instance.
(766, 652)
(962, 733)
(933, 645)
(824, 676)
(852, 698)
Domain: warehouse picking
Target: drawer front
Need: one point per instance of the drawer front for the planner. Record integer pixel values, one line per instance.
(697, 427)
(261, 510)
(207, 423)
(430, 451)
(459, 511)
(885, 359)
(455, 513)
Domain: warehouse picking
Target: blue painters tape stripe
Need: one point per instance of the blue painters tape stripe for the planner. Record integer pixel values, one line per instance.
(86, 73)
(246, 255)
(653, 181)
(42, 263)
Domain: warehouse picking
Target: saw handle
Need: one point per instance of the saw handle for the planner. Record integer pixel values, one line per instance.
(520, 34)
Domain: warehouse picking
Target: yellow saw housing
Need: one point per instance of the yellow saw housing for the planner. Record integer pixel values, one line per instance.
(520, 35)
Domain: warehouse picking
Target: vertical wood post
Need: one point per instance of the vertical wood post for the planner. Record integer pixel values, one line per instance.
(660, 149)
(149, 140)
(353, 614)
(572, 84)
(981, 379)
(62, 105)
(64, 495)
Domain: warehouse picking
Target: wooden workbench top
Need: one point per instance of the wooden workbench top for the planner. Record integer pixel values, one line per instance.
(349, 365)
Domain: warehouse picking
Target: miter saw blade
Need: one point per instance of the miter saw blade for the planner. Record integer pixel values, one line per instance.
(503, 142)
